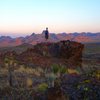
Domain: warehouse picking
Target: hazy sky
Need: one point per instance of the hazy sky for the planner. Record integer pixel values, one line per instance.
(27, 16)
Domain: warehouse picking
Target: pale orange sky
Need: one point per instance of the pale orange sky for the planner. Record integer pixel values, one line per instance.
(23, 17)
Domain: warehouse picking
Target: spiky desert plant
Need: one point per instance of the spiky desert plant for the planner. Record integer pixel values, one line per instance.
(55, 68)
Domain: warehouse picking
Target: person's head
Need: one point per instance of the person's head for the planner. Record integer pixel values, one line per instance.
(46, 28)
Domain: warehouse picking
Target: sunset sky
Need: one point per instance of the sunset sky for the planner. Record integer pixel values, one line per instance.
(21, 17)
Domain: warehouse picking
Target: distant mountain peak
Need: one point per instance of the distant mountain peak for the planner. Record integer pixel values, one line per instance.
(5, 37)
(32, 34)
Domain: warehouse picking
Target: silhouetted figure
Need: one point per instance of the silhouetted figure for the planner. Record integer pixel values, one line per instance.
(46, 34)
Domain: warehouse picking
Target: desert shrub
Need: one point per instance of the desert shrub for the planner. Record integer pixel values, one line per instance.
(29, 82)
(30, 70)
(63, 70)
(21, 69)
(55, 68)
(71, 71)
(79, 69)
(6, 60)
(42, 87)
(98, 74)
(39, 69)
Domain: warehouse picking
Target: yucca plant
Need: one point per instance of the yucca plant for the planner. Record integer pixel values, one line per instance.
(55, 68)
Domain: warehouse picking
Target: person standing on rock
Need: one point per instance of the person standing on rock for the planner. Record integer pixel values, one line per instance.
(46, 34)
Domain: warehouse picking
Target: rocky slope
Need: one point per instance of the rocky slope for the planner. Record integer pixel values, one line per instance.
(45, 54)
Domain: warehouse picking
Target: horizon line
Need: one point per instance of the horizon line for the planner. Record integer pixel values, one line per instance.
(12, 35)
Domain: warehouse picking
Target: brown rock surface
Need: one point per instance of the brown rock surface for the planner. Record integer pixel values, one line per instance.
(45, 54)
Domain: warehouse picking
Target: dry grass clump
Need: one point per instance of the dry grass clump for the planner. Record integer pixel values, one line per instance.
(73, 71)
(29, 70)
(29, 82)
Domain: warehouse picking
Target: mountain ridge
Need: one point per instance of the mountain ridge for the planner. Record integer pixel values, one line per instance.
(8, 41)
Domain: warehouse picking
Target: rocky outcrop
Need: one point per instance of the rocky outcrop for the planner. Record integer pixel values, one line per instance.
(45, 54)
